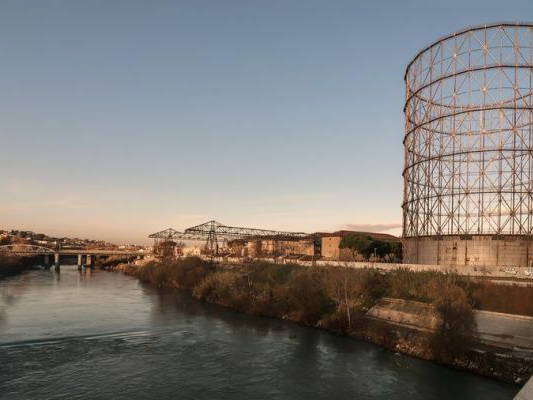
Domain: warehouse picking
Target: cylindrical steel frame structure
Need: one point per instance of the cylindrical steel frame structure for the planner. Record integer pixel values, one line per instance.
(468, 173)
(469, 134)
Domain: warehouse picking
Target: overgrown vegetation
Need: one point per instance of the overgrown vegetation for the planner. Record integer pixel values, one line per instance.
(337, 299)
(455, 333)
(113, 261)
(311, 296)
(278, 290)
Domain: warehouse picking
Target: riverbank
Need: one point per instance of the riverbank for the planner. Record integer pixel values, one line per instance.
(60, 332)
(339, 300)
(12, 265)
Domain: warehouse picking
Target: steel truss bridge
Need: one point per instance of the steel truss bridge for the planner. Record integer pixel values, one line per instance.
(212, 232)
(24, 250)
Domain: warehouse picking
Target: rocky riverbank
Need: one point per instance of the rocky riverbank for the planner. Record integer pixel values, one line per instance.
(339, 300)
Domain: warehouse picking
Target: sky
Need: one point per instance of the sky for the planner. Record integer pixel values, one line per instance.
(122, 118)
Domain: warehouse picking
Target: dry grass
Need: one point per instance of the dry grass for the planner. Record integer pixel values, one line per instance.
(184, 274)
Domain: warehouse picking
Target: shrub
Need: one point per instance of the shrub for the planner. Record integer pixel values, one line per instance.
(456, 330)
(189, 272)
(184, 274)
(113, 261)
(224, 288)
(272, 273)
(307, 299)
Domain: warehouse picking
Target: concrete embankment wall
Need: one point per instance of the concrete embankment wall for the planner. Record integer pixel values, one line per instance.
(524, 273)
(470, 250)
(527, 391)
(498, 329)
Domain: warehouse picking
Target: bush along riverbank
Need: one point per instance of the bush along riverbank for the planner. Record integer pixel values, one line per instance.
(12, 265)
(338, 300)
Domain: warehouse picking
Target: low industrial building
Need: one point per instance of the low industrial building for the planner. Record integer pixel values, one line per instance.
(270, 247)
(316, 246)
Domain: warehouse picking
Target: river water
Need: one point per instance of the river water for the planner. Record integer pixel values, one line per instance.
(103, 335)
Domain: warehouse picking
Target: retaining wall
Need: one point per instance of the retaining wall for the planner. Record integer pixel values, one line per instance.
(501, 271)
(502, 330)
(470, 250)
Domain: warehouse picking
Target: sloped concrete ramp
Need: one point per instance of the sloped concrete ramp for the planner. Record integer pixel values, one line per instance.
(527, 391)
(502, 330)
(506, 330)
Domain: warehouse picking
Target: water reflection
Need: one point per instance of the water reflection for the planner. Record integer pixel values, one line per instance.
(341, 365)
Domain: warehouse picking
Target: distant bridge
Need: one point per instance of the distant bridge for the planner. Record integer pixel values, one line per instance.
(85, 256)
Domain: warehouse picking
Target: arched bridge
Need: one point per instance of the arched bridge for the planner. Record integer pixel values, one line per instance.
(85, 256)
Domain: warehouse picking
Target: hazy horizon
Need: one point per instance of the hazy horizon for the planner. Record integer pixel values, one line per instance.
(120, 119)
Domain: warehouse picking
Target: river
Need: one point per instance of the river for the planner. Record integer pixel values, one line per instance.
(104, 335)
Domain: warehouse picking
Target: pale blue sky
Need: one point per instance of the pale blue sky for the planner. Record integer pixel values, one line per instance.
(121, 118)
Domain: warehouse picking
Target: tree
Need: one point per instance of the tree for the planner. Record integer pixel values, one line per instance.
(358, 243)
(454, 336)
(366, 246)
(397, 251)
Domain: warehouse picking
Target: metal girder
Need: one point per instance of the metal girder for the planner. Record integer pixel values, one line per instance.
(172, 234)
(238, 232)
(25, 249)
(468, 139)
(30, 249)
(212, 231)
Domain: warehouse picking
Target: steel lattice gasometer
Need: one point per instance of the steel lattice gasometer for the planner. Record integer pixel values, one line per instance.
(469, 134)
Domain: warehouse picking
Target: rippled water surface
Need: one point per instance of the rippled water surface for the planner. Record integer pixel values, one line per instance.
(102, 335)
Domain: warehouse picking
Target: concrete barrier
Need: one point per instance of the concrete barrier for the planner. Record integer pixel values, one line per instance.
(505, 330)
(414, 314)
(498, 329)
(527, 391)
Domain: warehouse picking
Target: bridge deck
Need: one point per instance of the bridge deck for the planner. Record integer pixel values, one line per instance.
(37, 250)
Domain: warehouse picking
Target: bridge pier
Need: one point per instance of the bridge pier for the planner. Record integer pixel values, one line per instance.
(56, 261)
(86, 257)
(89, 263)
